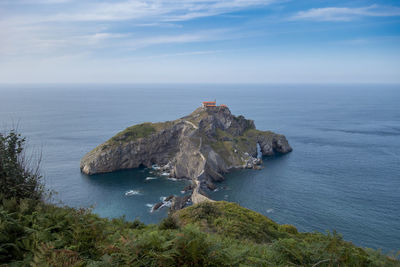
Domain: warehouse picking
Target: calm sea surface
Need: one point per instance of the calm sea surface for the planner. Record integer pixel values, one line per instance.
(343, 174)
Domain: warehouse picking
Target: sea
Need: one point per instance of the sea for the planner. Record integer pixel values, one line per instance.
(343, 174)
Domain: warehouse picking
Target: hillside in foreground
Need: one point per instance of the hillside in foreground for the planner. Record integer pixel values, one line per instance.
(35, 233)
(207, 234)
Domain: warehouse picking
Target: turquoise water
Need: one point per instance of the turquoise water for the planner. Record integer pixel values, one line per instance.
(343, 174)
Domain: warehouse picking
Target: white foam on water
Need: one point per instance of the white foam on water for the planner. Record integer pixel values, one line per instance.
(166, 204)
(151, 178)
(150, 206)
(165, 174)
(155, 167)
(270, 210)
(163, 198)
(132, 193)
(182, 192)
(173, 179)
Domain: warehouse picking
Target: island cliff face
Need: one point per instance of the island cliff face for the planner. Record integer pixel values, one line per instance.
(201, 146)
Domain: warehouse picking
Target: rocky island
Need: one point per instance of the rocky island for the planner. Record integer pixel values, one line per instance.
(201, 146)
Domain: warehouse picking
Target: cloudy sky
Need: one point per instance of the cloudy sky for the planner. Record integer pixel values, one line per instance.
(195, 41)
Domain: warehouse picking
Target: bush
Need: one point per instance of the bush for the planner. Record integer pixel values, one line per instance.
(288, 228)
(168, 223)
(17, 179)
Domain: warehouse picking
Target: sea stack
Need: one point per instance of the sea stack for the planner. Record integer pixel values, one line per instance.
(201, 146)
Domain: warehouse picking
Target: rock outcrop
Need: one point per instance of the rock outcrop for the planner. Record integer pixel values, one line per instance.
(201, 146)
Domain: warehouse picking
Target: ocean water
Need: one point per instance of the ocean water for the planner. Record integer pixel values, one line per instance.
(343, 174)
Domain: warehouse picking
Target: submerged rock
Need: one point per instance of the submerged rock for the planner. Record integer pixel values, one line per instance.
(169, 198)
(179, 202)
(202, 146)
(157, 206)
(210, 185)
(188, 188)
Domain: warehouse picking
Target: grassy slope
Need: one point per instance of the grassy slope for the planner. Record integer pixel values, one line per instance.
(218, 234)
(229, 219)
(134, 133)
(280, 244)
(140, 131)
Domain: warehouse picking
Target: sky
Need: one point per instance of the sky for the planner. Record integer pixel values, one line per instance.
(199, 41)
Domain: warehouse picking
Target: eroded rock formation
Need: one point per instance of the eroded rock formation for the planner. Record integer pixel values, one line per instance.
(201, 146)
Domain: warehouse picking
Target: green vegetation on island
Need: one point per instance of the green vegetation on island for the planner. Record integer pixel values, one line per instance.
(134, 132)
(36, 233)
(142, 130)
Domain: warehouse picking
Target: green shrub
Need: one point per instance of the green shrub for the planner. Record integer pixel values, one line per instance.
(17, 179)
(136, 224)
(168, 223)
(288, 228)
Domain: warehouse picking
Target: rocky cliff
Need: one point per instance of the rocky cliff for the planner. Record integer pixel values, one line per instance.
(201, 146)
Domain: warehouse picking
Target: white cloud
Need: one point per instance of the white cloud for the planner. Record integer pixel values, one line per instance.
(345, 13)
(35, 2)
(150, 10)
(192, 53)
(86, 24)
(199, 36)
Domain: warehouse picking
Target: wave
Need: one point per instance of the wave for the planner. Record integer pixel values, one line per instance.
(393, 132)
(166, 204)
(327, 142)
(388, 152)
(132, 193)
(151, 178)
(165, 174)
(150, 206)
(270, 210)
(173, 179)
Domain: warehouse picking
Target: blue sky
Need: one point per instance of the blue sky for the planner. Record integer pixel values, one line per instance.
(199, 41)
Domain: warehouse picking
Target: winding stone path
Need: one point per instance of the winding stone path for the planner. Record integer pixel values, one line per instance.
(196, 196)
(191, 123)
